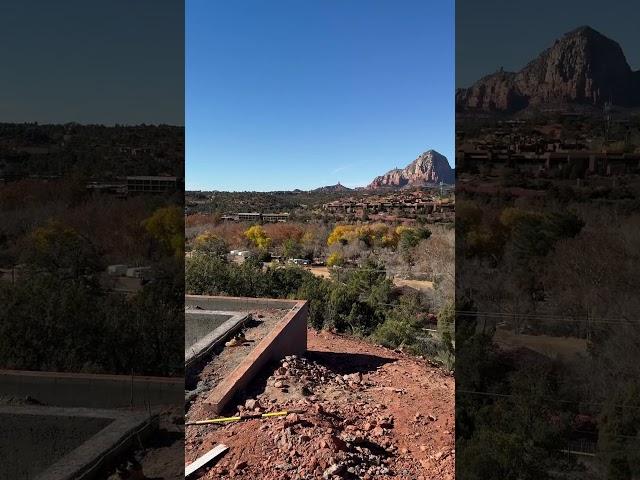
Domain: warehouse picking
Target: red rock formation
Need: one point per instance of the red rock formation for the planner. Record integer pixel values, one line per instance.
(583, 67)
(430, 168)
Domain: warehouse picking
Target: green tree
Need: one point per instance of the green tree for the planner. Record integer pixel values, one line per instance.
(210, 243)
(291, 248)
(206, 275)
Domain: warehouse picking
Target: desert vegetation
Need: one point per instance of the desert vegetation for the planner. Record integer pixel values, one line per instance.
(57, 239)
(357, 296)
(547, 333)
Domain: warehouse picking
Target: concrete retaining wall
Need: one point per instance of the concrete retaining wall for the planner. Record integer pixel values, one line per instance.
(288, 337)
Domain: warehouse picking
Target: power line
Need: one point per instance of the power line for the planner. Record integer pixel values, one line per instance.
(617, 435)
(551, 399)
(537, 315)
(551, 317)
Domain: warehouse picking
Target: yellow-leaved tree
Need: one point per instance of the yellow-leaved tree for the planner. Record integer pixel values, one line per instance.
(166, 227)
(335, 260)
(256, 235)
(342, 234)
(59, 249)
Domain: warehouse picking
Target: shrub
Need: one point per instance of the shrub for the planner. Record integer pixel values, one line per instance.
(335, 259)
(210, 243)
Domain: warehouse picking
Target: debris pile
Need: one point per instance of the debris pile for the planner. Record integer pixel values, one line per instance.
(372, 420)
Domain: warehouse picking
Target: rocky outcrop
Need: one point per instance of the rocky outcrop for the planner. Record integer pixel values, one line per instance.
(582, 67)
(337, 188)
(430, 168)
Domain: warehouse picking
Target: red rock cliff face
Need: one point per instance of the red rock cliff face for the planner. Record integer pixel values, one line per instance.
(428, 169)
(583, 66)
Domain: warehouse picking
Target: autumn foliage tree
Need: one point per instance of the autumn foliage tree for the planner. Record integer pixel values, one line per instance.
(258, 237)
(377, 235)
(335, 260)
(166, 228)
(59, 249)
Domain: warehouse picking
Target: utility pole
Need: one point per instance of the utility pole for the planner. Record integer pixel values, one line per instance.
(607, 119)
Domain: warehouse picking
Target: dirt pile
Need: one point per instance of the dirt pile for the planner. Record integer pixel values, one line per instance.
(363, 412)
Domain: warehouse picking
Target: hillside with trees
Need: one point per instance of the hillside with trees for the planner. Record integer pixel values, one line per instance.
(547, 335)
(60, 310)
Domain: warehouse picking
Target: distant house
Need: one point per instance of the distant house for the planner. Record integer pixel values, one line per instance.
(275, 217)
(139, 272)
(117, 270)
(113, 188)
(249, 217)
(151, 184)
(261, 217)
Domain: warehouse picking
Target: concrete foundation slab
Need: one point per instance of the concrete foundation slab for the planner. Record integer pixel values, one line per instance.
(71, 443)
(206, 329)
(288, 337)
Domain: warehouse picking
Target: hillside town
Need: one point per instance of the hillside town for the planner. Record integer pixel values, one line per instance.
(548, 188)
(566, 147)
(431, 207)
(95, 153)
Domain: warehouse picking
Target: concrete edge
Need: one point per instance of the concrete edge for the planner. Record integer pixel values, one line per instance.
(288, 337)
(259, 302)
(90, 376)
(91, 390)
(85, 461)
(210, 341)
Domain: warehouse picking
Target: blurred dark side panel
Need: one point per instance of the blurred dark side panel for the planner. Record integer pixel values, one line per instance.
(91, 242)
(547, 237)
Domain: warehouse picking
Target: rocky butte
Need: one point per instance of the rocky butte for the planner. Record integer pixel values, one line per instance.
(337, 188)
(582, 67)
(430, 168)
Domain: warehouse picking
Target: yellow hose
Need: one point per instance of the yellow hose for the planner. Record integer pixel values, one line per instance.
(236, 419)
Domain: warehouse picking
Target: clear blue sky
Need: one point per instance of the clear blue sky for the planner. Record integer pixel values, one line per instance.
(285, 94)
(115, 61)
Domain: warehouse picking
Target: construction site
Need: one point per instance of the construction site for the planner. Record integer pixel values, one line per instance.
(266, 397)
(84, 426)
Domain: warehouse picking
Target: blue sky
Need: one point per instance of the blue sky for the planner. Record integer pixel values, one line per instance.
(285, 94)
(116, 61)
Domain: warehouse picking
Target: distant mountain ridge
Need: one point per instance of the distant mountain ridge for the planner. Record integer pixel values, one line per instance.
(338, 187)
(582, 67)
(430, 168)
